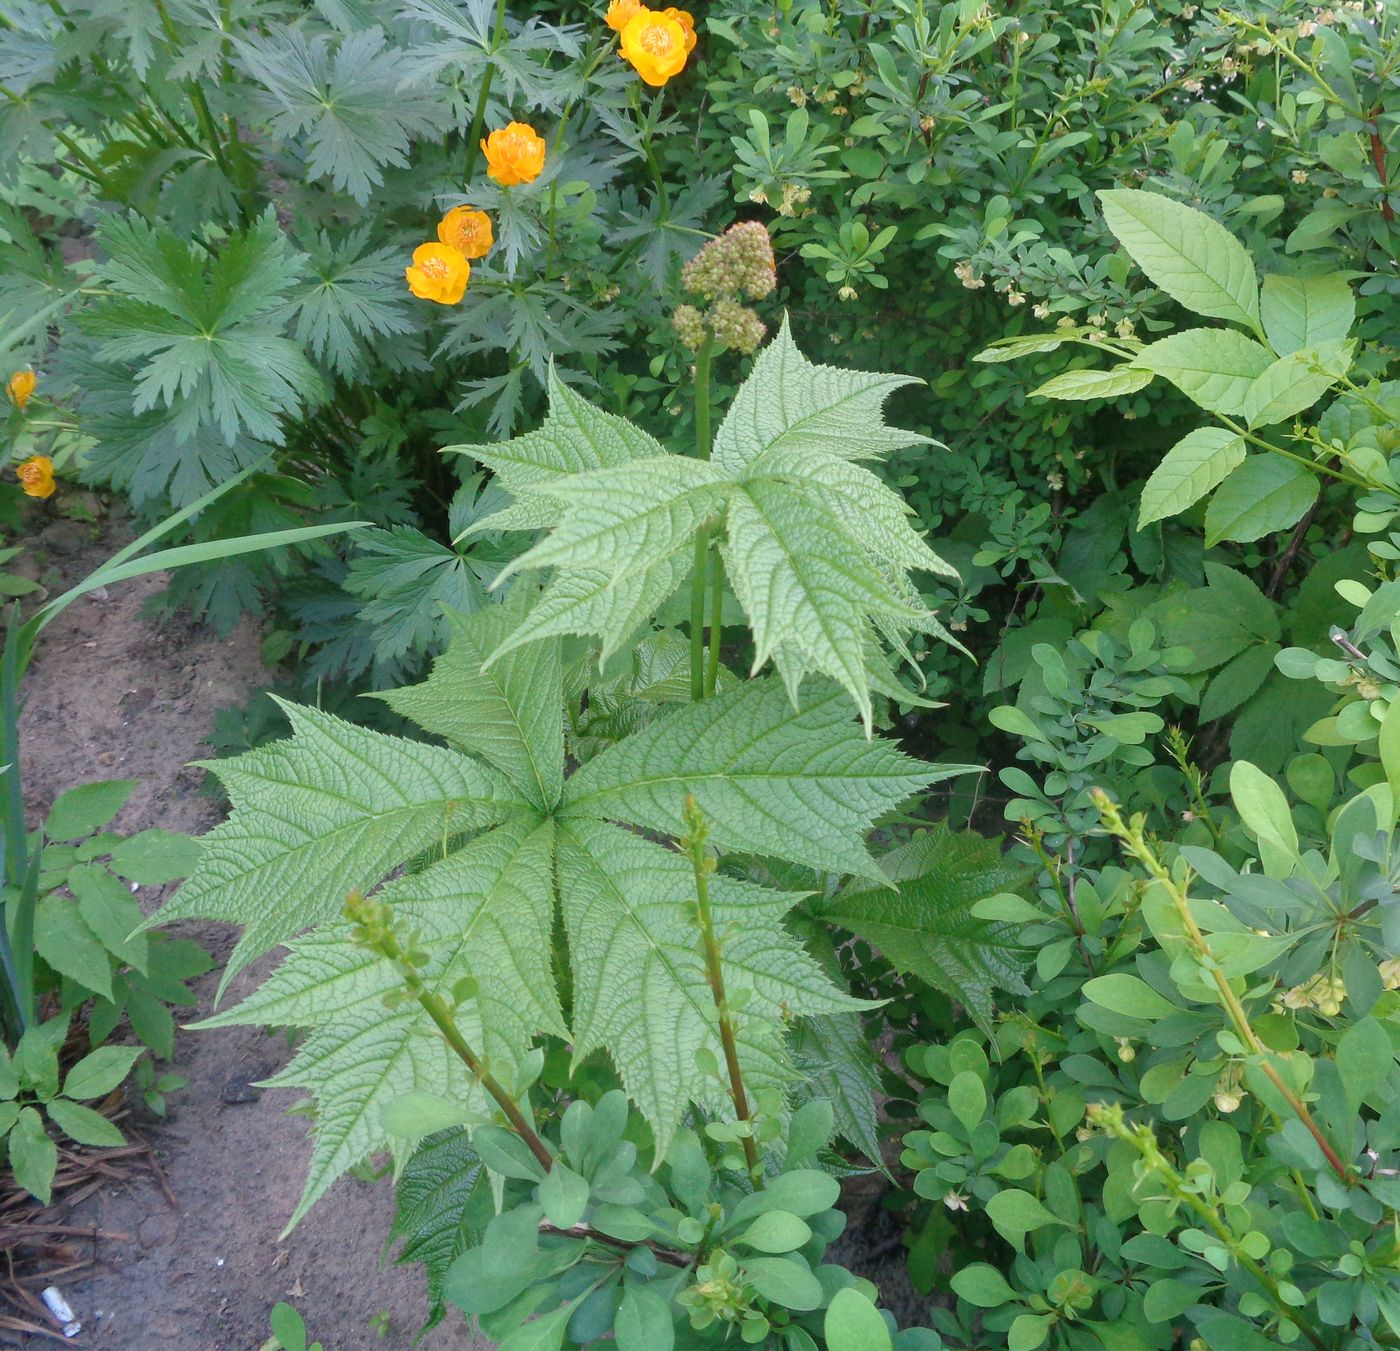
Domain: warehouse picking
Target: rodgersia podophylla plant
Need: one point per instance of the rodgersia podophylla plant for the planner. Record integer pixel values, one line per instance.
(583, 990)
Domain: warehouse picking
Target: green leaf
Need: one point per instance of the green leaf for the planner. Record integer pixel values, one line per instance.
(1239, 679)
(65, 942)
(1263, 809)
(100, 1071)
(564, 1196)
(1192, 257)
(784, 1281)
(108, 909)
(1016, 1213)
(627, 517)
(807, 586)
(509, 712)
(545, 1333)
(1200, 461)
(853, 1323)
(1293, 384)
(83, 1124)
(643, 1322)
(926, 927)
(1094, 384)
(1263, 495)
(1027, 1331)
(1365, 1061)
(575, 437)
(154, 857)
(407, 581)
(967, 1098)
(205, 338)
(1129, 995)
(334, 808)
(982, 1285)
(640, 985)
(288, 1327)
(86, 809)
(775, 1231)
(1300, 312)
(788, 403)
(798, 784)
(1215, 367)
(838, 1066)
(434, 1214)
(33, 1156)
(485, 911)
(353, 113)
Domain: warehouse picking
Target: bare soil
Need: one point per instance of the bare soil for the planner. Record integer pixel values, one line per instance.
(113, 695)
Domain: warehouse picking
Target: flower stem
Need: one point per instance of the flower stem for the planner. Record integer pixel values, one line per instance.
(702, 536)
(374, 927)
(693, 843)
(716, 621)
(1131, 837)
(498, 32)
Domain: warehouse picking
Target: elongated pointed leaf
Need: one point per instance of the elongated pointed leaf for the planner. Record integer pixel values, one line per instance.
(789, 402)
(1200, 461)
(641, 990)
(927, 927)
(575, 438)
(332, 809)
(509, 714)
(1191, 256)
(1216, 367)
(807, 587)
(485, 912)
(798, 784)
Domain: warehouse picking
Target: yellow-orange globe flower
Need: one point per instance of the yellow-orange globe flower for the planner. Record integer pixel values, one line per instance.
(468, 231)
(20, 387)
(438, 272)
(620, 11)
(36, 476)
(514, 154)
(686, 22)
(657, 44)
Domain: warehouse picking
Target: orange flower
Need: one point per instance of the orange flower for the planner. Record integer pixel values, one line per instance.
(657, 44)
(439, 272)
(20, 387)
(686, 22)
(36, 476)
(468, 231)
(514, 154)
(620, 11)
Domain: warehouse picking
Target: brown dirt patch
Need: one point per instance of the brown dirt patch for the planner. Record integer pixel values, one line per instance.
(112, 695)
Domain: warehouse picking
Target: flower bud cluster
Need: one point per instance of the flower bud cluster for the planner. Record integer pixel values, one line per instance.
(738, 265)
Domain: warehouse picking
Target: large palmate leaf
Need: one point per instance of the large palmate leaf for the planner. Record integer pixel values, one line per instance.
(358, 109)
(640, 984)
(798, 784)
(203, 338)
(510, 715)
(817, 547)
(484, 912)
(334, 808)
(926, 927)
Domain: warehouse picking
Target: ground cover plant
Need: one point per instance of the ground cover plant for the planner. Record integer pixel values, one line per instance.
(659, 886)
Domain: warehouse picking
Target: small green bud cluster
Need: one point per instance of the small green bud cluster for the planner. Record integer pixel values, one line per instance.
(736, 266)
(718, 1295)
